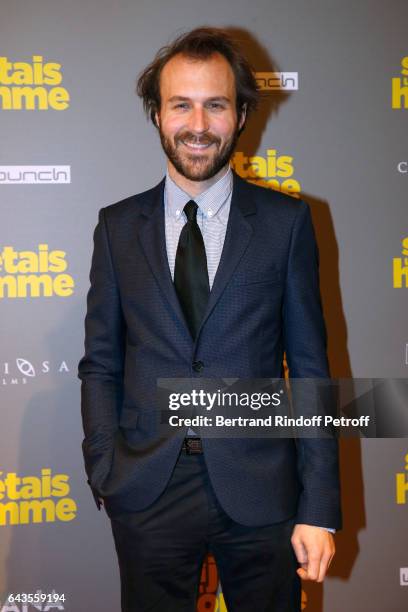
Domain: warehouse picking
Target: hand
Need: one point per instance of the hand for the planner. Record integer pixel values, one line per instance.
(98, 500)
(314, 548)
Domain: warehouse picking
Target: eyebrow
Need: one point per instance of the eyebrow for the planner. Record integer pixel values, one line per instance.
(212, 99)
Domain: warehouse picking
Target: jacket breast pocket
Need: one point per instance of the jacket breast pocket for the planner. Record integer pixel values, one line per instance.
(257, 277)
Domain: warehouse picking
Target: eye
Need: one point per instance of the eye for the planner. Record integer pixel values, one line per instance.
(216, 105)
(181, 105)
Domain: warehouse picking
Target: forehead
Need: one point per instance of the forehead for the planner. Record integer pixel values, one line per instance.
(185, 76)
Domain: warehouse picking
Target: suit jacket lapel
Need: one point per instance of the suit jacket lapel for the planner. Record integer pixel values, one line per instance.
(238, 235)
(151, 233)
(152, 237)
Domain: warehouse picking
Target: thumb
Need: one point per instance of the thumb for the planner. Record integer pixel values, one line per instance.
(300, 551)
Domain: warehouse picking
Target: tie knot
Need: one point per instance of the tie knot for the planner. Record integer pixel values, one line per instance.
(190, 210)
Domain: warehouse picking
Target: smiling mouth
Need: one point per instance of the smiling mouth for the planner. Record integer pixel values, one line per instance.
(197, 146)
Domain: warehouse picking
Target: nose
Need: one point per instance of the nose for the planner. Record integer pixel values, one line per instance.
(198, 120)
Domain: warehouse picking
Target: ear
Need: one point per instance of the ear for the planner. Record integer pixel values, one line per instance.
(243, 116)
(156, 119)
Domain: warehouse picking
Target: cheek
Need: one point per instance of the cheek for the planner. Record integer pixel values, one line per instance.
(224, 126)
(171, 125)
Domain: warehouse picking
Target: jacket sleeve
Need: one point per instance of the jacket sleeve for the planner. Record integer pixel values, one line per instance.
(305, 347)
(101, 367)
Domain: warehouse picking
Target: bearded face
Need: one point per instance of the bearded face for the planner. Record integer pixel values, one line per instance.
(198, 157)
(198, 122)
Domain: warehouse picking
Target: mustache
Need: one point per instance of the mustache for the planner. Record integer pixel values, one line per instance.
(191, 138)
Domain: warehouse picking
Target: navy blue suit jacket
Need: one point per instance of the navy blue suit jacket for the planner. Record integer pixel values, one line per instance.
(265, 300)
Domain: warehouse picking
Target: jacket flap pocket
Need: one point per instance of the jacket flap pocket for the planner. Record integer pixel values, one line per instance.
(256, 277)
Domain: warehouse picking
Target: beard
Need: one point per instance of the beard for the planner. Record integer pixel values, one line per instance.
(194, 166)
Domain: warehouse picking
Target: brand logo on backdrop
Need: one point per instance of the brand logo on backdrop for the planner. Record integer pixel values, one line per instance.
(403, 167)
(406, 353)
(399, 87)
(271, 81)
(272, 170)
(34, 175)
(22, 370)
(35, 499)
(400, 267)
(404, 576)
(34, 85)
(401, 482)
(40, 273)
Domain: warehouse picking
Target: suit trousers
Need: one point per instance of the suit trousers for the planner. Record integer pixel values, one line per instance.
(162, 547)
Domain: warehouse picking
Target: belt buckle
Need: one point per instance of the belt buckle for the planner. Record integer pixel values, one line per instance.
(193, 446)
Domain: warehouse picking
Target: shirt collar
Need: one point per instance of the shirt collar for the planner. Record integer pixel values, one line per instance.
(209, 201)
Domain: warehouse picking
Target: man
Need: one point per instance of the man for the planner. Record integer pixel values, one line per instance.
(205, 275)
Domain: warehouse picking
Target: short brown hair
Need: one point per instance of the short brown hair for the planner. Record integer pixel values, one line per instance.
(200, 43)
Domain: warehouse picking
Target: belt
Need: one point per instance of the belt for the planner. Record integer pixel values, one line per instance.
(192, 446)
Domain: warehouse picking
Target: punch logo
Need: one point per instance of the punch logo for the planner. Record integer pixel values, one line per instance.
(404, 576)
(272, 81)
(33, 499)
(400, 267)
(34, 175)
(399, 87)
(402, 167)
(401, 482)
(34, 274)
(272, 170)
(34, 85)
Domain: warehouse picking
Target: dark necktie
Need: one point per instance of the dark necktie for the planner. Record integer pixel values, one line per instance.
(190, 271)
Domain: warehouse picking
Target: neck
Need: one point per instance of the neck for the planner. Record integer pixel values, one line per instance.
(194, 188)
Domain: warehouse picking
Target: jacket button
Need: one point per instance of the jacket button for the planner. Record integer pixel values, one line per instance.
(198, 366)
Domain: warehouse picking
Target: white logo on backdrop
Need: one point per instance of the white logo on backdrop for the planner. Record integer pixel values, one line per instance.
(35, 175)
(23, 369)
(270, 81)
(404, 576)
